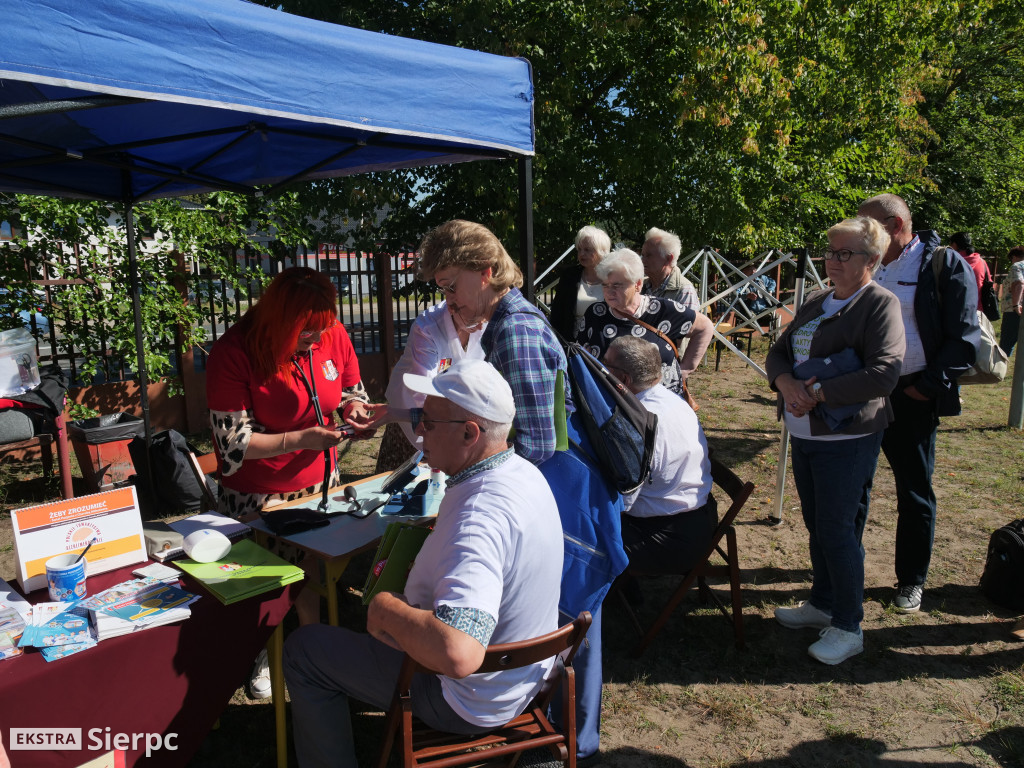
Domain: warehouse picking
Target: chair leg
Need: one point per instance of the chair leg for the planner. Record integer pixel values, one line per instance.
(46, 455)
(734, 587)
(666, 612)
(391, 728)
(617, 588)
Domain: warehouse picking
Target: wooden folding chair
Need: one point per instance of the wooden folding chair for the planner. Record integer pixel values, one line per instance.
(738, 492)
(204, 467)
(422, 746)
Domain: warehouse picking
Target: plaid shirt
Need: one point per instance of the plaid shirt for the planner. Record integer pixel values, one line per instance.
(521, 345)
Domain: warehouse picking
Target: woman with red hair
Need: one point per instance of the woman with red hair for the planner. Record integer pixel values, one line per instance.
(273, 380)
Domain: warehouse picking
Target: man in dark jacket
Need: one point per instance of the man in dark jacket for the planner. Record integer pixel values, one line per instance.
(940, 320)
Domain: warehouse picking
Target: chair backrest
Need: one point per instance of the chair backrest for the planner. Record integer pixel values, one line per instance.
(525, 652)
(737, 490)
(564, 641)
(203, 466)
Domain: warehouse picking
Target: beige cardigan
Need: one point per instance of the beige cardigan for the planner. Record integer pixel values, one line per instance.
(872, 325)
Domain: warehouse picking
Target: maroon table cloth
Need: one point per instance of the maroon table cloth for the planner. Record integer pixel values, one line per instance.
(174, 679)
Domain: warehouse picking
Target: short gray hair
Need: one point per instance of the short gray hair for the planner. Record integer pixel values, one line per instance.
(891, 205)
(624, 261)
(668, 242)
(597, 237)
(874, 240)
(639, 358)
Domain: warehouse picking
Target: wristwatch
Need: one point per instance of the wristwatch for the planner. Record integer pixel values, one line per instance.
(816, 392)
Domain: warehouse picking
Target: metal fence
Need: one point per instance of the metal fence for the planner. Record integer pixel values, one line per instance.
(361, 279)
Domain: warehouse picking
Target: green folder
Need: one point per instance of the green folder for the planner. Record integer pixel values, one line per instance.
(397, 551)
(245, 571)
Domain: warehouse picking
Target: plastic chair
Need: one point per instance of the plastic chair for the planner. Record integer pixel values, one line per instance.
(422, 746)
(738, 492)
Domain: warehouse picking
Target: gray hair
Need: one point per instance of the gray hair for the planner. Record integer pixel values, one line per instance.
(874, 240)
(668, 242)
(624, 261)
(639, 358)
(890, 205)
(597, 237)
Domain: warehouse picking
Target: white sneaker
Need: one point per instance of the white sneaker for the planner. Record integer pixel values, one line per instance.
(837, 645)
(803, 615)
(259, 678)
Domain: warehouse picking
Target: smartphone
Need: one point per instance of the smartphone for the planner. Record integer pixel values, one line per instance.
(347, 430)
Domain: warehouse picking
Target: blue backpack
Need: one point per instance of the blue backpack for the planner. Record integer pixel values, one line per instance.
(620, 431)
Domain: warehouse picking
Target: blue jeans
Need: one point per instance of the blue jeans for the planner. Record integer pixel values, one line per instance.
(833, 480)
(909, 445)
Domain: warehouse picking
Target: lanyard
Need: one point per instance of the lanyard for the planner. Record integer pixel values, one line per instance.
(310, 385)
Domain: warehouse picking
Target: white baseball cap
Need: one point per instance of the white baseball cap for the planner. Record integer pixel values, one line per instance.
(474, 385)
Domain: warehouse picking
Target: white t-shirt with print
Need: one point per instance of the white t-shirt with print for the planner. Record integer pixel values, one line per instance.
(1015, 275)
(497, 548)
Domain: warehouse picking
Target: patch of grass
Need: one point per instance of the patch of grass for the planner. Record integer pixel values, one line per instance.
(1008, 688)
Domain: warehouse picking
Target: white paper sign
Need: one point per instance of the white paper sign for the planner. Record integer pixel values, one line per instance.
(111, 518)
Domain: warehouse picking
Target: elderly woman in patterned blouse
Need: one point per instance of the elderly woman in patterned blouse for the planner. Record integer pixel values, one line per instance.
(626, 311)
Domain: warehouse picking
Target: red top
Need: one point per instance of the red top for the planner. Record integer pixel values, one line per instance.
(282, 404)
(980, 268)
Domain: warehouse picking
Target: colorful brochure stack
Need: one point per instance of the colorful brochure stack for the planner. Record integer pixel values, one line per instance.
(135, 605)
(58, 630)
(14, 612)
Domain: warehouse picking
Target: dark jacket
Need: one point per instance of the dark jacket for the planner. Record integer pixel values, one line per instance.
(948, 324)
(563, 305)
(871, 325)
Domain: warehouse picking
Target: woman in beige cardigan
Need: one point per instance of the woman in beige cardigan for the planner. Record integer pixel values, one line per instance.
(852, 335)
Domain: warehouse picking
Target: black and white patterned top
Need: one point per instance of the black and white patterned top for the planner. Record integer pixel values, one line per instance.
(601, 327)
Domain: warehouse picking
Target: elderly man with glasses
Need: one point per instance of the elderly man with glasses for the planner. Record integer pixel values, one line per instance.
(484, 576)
(938, 304)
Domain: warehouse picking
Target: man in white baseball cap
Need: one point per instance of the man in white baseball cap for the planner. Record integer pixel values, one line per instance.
(489, 573)
(471, 394)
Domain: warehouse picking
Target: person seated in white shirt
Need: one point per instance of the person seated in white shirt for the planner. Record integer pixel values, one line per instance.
(487, 574)
(668, 522)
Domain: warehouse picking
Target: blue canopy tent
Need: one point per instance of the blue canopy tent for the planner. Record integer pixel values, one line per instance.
(131, 100)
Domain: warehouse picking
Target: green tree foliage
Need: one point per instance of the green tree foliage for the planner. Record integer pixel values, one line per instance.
(973, 102)
(740, 124)
(78, 250)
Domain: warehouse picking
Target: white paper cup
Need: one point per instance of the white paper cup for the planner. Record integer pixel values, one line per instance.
(65, 578)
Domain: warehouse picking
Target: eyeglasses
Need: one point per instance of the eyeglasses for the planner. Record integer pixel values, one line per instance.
(617, 287)
(416, 417)
(307, 334)
(449, 290)
(841, 255)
